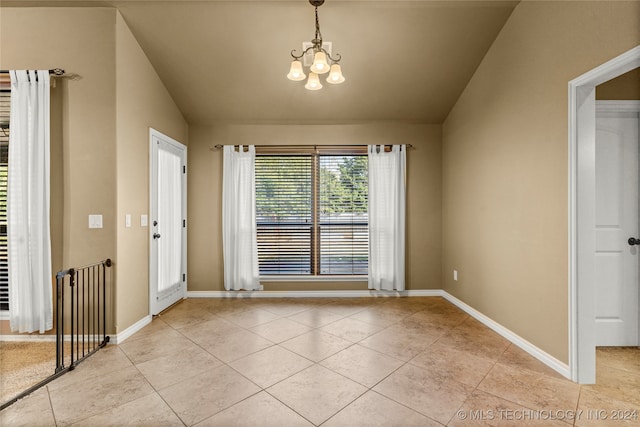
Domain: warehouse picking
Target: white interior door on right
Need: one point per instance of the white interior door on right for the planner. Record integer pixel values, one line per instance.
(616, 223)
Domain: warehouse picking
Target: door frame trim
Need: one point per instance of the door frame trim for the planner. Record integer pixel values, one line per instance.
(581, 204)
(155, 133)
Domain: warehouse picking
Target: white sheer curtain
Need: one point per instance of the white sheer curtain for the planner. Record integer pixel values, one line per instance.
(169, 221)
(28, 234)
(386, 217)
(239, 234)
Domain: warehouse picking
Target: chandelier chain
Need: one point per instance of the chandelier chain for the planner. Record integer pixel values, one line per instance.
(318, 34)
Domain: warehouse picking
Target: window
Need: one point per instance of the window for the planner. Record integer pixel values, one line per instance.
(311, 213)
(5, 101)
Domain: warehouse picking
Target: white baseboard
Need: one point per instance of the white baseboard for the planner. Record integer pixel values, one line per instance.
(312, 294)
(541, 355)
(122, 336)
(30, 338)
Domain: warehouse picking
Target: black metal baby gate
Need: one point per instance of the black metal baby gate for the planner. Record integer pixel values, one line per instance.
(86, 290)
(80, 319)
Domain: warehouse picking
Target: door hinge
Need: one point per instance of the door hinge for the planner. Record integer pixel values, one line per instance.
(184, 223)
(184, 169)
(184, 277)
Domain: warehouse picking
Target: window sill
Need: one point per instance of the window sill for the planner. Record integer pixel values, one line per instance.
(311, 279)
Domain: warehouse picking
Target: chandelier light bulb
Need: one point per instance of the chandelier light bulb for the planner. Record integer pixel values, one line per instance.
(313, 83)
(335, 75)
(320, 65)
(296, 73)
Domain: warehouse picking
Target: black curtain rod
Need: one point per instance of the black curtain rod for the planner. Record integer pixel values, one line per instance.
(55, 71)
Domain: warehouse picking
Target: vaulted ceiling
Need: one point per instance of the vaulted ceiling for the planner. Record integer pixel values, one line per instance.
(405, 61)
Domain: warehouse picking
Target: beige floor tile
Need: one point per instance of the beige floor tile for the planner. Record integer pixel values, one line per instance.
(280, 330)
(261, 410)
(374, 410)
(351, 329)
(315, 318)
(316, 345)
(616, 383)
(437, 321)
(248, 319)
(32, 411)
(183, 314)
(156, 325)
(270, 366)
(165, 371)
(228, 306)
(149, 410)
(84, 399)
(230, 347)
(208, 393)
(475, 338)
(381, 316)
(316, 393)
(530, 389)
(399, 342)
(160, 344)
(425, 392)
(622, 358)
(484, 409)
(365, 366)
(406, 304)
(451, 363)
(286, 306)
(107, 360)
(597, 409)
(109, 389)
(515, 357)
(348, 306)
(209, 332)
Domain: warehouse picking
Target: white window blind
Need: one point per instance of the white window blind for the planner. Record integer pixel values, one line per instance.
(343, 220)
(311, 214)
(5, 104)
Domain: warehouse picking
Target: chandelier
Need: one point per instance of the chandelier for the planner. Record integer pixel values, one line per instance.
(321, 59)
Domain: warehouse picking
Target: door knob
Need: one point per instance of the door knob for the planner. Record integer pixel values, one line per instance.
(633, 241)
(156, 235)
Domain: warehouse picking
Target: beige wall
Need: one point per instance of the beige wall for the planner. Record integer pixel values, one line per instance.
(505, 164)
(625, 87)
(80, 41)
(142, 102)
(103, 116)
(83, 116)
(423, 194)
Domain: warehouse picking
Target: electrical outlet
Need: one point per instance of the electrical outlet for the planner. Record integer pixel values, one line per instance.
(455, 275)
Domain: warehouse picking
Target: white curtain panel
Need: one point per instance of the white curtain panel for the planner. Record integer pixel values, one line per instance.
(387, 183)
(28, 234)
(239, 233)
(169, 221)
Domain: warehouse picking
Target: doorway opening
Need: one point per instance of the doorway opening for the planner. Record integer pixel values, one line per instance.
(582, 212)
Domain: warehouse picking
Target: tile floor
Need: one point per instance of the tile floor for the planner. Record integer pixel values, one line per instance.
(330, 362)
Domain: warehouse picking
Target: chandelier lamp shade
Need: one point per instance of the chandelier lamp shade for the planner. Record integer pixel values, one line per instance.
(323, 62)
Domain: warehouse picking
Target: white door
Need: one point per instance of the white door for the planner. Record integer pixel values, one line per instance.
(167, 230)
(616, 222)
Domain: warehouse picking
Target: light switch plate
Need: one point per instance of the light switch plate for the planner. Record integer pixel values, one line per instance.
(95, 221)
(127, 220)
(144, 220)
